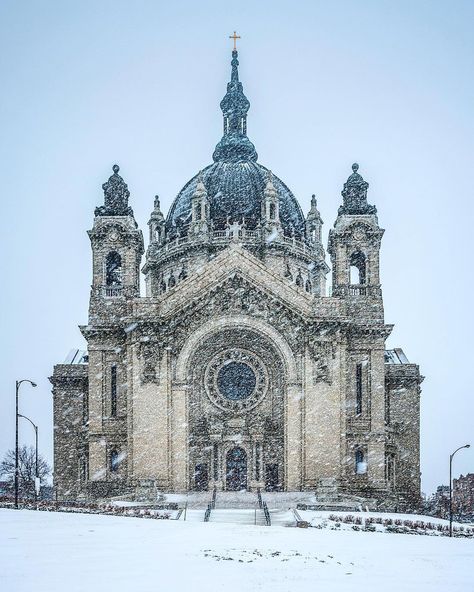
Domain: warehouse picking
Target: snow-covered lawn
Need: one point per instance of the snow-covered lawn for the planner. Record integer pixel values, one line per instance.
(56, 552)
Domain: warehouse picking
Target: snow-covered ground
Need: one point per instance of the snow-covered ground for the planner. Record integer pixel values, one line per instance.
(56, 552)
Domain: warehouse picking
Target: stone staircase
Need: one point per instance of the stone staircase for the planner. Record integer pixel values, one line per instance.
(282, 518)
(236, 516)
(192, 515)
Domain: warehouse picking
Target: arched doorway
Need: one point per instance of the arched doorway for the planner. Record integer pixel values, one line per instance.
(236, 469)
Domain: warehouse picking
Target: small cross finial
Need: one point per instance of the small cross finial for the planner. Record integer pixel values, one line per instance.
(235, 37)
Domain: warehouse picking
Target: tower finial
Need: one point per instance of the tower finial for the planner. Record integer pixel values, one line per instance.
(116, 196)
(235, 37)
(234, 145)
(355, 195)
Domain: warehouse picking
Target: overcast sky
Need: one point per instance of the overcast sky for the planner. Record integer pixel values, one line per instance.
(388, 84)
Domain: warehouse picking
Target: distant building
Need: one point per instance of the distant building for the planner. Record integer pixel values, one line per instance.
(439, 502)
(463, 495)
(237, 370)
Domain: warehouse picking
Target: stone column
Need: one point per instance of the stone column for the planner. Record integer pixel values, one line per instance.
(376, 451)
(179, 438)
(293, 444)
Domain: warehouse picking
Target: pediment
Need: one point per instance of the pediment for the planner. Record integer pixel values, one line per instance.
(229, 271)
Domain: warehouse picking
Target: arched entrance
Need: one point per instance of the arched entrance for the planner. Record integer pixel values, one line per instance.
(236, 386)
(236, 469)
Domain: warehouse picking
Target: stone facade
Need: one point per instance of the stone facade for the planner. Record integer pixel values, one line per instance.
(237, 370)
(463, 495)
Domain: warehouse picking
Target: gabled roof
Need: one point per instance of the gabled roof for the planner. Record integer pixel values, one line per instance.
(232, 260)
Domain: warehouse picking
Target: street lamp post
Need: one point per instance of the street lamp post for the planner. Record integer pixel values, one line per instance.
(451, 487)
(35, 427)
(17, 389)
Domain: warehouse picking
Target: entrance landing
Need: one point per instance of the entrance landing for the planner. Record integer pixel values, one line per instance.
(242, 500)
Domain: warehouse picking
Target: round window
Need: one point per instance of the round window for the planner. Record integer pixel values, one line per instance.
(236, 381)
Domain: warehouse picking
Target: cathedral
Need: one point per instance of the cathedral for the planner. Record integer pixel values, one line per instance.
(240, 369)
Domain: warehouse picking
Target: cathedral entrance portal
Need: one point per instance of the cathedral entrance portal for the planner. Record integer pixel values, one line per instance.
(236, 469)
(236, 392)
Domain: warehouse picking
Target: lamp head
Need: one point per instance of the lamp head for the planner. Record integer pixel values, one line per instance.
(467, 446)
(34, 384)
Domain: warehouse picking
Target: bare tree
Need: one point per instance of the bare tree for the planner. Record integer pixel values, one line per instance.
(27, 470)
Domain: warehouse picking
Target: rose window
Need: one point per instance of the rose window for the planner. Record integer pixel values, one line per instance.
(236, 380)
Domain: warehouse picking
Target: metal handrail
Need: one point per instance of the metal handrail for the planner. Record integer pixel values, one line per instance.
(266, 513)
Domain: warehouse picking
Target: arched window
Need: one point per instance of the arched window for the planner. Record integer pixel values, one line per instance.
(197, 211)
(157, 233)
(171, 281)
(390, 468)
(360, 462)
(357, 268)
(308, 286)
(113, 269)
(162, 285)
(183, 274)
(299, 280)
(272, 211)
(114, 461)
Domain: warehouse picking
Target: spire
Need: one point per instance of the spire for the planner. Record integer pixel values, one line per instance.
(200, 191)
(270, 190)
(157, 214)
(313, 213)
(234, 145)
(313, 222)
(157, 223)
(116, 196)
(355, 195)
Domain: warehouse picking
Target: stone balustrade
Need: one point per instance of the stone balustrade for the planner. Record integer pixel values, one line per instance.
(221, 237)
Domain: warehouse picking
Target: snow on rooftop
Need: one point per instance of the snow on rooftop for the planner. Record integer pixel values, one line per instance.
(395, 356)
(77, 356)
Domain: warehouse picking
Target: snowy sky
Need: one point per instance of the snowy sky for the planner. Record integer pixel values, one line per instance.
(386, 84)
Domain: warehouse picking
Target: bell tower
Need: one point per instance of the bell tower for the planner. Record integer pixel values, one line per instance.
(354, 244)
(117, 248)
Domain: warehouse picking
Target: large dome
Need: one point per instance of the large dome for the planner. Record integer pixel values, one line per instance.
(235, 191)
(235, 182)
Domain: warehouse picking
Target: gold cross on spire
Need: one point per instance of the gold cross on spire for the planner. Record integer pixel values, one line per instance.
(235, 37)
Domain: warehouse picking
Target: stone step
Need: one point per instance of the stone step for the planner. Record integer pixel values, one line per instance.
(236, 500)
(282, 518)
(193, 515)
(236, 516)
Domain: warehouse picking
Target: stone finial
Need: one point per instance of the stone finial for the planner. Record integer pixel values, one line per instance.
(270, 189)
(354, 194)
(200, 190)
(116, 196)
(157, 214)
(313, 213)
